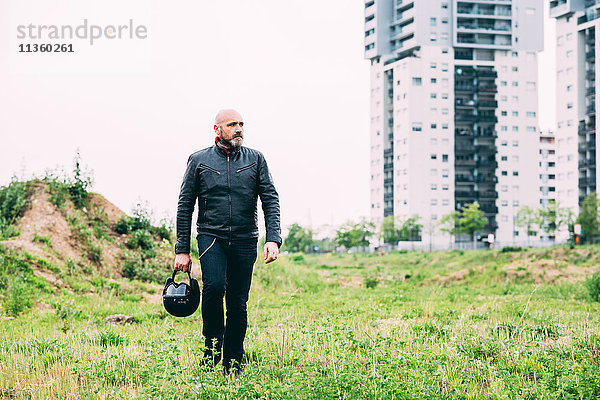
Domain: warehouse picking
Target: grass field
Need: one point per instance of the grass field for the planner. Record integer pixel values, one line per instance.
(414, 325)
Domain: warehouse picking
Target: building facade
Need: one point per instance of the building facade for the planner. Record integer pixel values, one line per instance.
(454, 109)
(577, 30)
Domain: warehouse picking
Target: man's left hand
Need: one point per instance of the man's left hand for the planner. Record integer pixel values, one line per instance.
(271, 252)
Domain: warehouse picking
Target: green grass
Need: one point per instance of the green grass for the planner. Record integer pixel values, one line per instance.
(404, 325)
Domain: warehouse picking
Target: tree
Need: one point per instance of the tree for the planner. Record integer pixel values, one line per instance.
(410, 230)
(472, 219)
(450, 223)
(527, 218)
(553, 217)
(298, 239)
(589, 218)
(389, 232)
(354, 235)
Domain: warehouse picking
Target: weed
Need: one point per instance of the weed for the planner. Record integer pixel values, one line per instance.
(18, 296)
(109, 337)
(593, 286)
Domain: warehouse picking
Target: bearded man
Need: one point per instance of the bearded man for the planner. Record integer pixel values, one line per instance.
(226, 180)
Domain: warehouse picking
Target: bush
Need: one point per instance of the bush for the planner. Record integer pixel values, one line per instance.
(140, 239)
(511, 249)
(18, 296)
(593, 286)
(13, 201)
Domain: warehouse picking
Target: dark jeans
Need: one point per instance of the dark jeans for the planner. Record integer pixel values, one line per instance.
(226, 272)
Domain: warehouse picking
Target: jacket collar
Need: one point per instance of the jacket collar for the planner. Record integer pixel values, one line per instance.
(224, 152)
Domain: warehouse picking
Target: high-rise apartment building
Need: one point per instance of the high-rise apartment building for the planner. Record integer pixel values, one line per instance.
(454, 108)
(577, 33)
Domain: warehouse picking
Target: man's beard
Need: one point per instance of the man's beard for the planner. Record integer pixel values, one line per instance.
(234, 143)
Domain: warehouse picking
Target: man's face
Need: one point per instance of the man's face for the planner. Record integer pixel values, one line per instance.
(230, 128)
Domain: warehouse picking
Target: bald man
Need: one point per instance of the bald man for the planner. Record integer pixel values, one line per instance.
(226, 180)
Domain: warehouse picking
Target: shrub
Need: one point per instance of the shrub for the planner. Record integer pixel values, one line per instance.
(18, 296)
(593, 286)
(123, 225)
(13, 201)
(511, 249)
(140, 239)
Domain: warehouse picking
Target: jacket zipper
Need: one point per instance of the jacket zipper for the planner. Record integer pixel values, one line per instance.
(229, 195)
(205, 208)
(210, 169)
(246, 167)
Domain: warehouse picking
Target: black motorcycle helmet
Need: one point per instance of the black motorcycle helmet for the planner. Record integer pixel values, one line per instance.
(181, 299)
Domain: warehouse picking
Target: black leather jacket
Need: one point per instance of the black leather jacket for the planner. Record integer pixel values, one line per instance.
(227, 187)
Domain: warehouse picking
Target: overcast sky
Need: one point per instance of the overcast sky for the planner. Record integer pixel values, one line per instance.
(137, 108)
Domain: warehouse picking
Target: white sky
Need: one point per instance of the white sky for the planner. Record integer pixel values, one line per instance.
(137, 109)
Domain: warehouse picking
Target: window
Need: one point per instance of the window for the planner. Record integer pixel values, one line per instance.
(503, 98)
(504, 158)
(503, 113)
(515, 203)
(504, 173)
(504, 128)
(530, 86)
(515, 83)
(444, 96)
(503, 83)
(445, 186)
(444, 157)
(433, 80)
(530, 114)
(433, 202)
(515, 54)
(444, 173)
(417, 127)
(416, 81)
(531, 129)
(444, 126)
(569, 88)
(504, 143)
(569, 53)
(433, 37)
(515, 173)
(445, 111)
(515, 113)
(445, 82)
(433, 156)
(433, 141)
(504, 203)
(433, 95)
(569, 106)
(432, 21)
(444, 67)
(433, 65)
(433, 186)
(504, 188)
(515, 143)
(515, 69)
(515, 128)
(445, 202)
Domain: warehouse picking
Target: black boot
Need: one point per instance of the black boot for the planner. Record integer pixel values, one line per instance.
(234, 367)
(212, 354)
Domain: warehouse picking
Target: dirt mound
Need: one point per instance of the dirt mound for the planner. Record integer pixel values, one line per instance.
(66, 236)
(548, 271)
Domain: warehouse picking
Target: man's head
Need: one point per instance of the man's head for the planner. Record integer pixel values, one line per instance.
(229, 127)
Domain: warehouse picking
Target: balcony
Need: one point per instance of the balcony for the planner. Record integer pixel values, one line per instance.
(590, 74)
(465, 195)
(487, 118)
(466, 179)
(464, 103)
(464, 162)
(464, 149)
(483, 73)
(388, 211)
(485, 12)
(487, 88)
(487, 134)
(464, 73)
(489, 209)
(487, 195)
(486, 179)
(388, 152)
(487, 164)
(466, 117)
(487, 104)
(590, 55)
(464, 88)
(591, 91)
(587, 181)
(591, 109)
(388, 181)
(463, 133)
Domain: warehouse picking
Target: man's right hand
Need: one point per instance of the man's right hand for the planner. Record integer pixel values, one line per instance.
(183, 262)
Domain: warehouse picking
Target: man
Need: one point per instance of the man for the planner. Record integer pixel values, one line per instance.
(226, 179)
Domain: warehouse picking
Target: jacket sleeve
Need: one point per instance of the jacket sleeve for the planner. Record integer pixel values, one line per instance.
(270, 202)
(185, 207)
